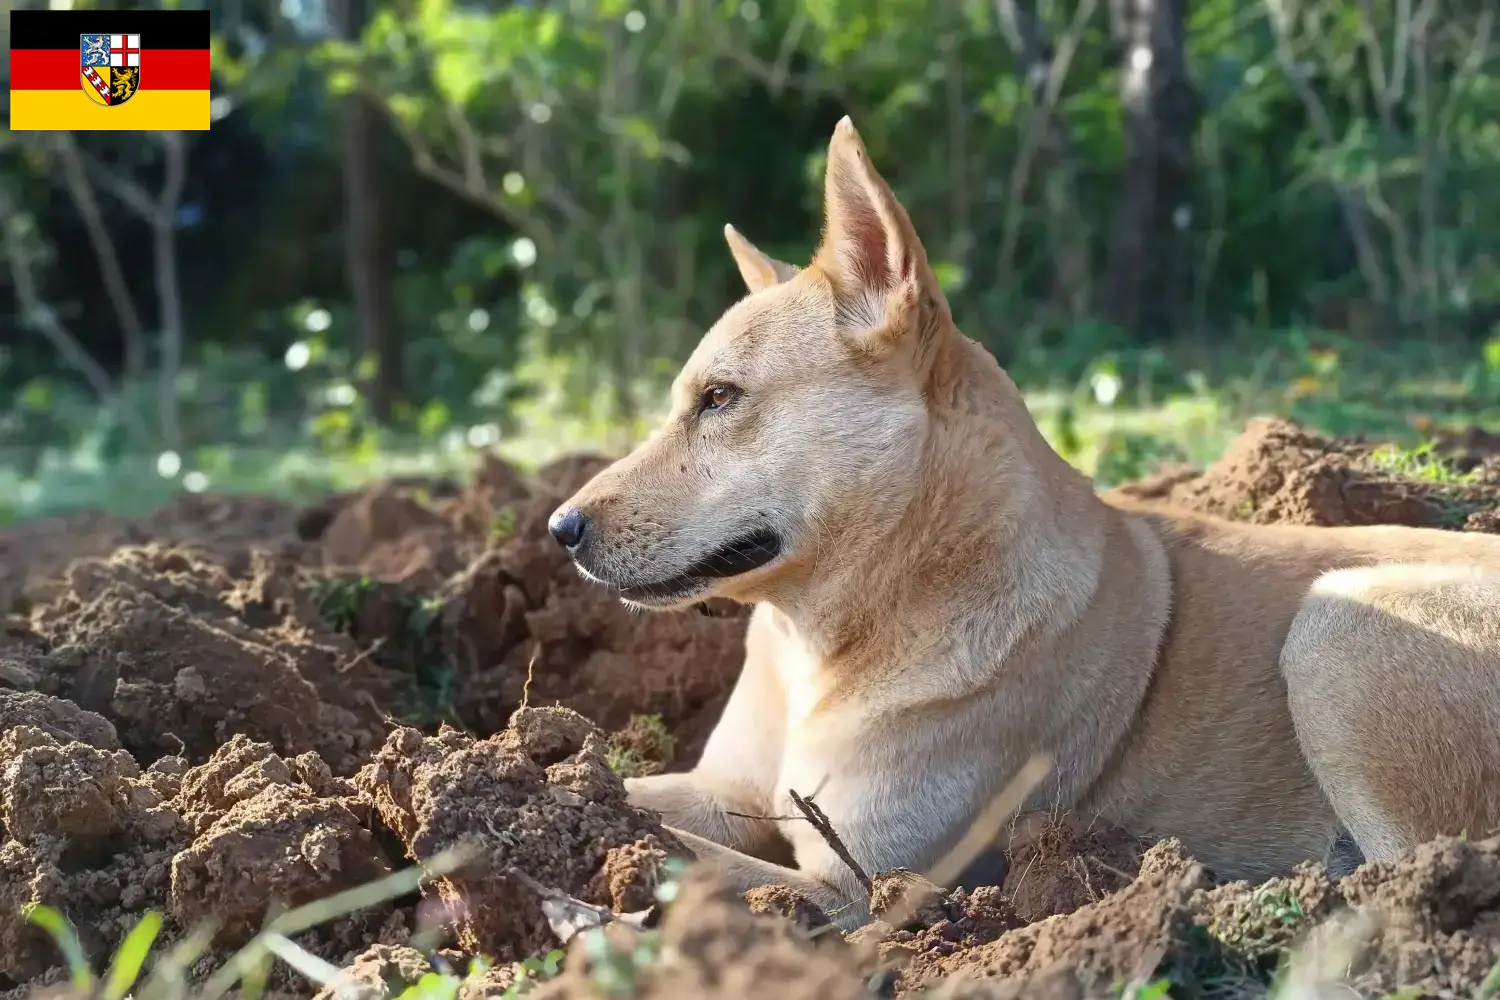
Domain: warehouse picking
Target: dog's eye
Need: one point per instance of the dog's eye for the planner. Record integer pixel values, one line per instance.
(716, 397)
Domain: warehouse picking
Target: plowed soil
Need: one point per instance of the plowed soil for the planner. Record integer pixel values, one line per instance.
(238, 706)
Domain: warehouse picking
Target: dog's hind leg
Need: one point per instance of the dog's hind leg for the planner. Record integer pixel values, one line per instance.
(1393, 680)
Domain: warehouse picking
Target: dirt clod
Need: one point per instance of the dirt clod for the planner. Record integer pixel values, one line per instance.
(57, 717)
(283, 845)
(539, 797)
(1065, 863)
(711, 947)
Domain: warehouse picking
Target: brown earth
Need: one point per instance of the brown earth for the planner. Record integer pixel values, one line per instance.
(1278, 472)
(238, 706)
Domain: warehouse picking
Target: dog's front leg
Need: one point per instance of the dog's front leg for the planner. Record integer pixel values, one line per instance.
(834, 890)
(730, 815)
(729, 796)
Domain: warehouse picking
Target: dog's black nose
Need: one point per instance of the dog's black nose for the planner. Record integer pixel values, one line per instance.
(567, 525)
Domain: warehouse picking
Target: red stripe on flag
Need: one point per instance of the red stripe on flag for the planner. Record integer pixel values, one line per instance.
(60, 69)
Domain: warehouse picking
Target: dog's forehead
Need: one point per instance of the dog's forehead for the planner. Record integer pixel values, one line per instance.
(758, 329)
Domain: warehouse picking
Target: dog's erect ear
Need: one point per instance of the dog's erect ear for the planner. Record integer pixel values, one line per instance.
(870, 250)
(758, 270)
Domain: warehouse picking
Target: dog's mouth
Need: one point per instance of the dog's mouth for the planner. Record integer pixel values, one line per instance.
(741, 556)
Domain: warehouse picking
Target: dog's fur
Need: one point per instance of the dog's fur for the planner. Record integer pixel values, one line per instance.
(951, 596)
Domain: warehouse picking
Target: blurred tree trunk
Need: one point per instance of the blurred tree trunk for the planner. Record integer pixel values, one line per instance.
(366, 240)
(1067, 234)
(1145, 286)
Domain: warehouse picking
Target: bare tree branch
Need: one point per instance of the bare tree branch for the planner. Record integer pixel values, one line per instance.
(815, 815)
(1355, 220)
(37, 314)
(1046, 70)
(160, 213)
(82, 193)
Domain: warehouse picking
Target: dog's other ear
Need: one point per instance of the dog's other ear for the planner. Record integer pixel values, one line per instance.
(758, 270)
(870, 249)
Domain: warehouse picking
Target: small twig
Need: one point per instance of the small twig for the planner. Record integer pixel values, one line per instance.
(363, 655)
(819, 819)
(568, 915)
(767, 819)
(526, 687)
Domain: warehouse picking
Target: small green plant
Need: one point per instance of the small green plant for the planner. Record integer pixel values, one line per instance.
(1153, 990)
(340, 600)
(503, 524)
(534, 969)
(446, 985)
(643, 747)
(1422, 463)
(625, 762)
(1490, 987)
(424, 611)
(1279, 904)
(123, 978)
(614, 967)
(434, 678)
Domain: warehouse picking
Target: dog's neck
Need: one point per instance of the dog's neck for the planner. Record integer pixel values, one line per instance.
(997, 521)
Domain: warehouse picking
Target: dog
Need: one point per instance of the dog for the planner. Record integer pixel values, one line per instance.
(938, 594)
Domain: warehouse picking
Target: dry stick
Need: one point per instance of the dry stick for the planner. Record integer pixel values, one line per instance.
(526, 687)
(820, 822)
(568, 915)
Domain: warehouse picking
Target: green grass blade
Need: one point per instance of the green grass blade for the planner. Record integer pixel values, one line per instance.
(1490, 988)
(169, 976)
(372, 893)
(131, 957)
(61, 929)
(299, 958)
(339, 904)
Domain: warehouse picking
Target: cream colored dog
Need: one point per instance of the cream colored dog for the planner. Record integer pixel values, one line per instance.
(938, 595)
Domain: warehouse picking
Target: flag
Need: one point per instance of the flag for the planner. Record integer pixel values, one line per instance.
(120, 69)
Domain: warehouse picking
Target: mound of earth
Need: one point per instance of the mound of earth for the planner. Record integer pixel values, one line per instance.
(34, 554)
(310, 629)
(709, 946)
(1278, 472)
(237, 706)
(472, 596)
(180, 649)
(539, 802)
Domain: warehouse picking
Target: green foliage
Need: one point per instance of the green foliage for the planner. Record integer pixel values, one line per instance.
(534, 969)
(1422, 463)
(554, 179)
(340, 600)
(641, 747)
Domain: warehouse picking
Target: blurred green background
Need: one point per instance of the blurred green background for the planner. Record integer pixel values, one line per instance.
(421, 227)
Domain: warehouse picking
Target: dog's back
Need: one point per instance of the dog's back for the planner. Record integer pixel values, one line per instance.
(1213, 756)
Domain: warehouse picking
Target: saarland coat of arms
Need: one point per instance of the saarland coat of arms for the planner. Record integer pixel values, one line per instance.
(111, 67)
